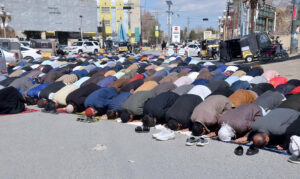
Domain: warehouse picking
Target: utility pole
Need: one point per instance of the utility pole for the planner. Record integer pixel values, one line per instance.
(235, 14)
(156, 27)
(81, 36)
(226, 20)
(128, 7)
(294, 41)
(169, 3)
(242, 18)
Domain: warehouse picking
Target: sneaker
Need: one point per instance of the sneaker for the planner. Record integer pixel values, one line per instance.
(169, 135)
(201, 141)
(294, 159)
(190, 141)
(162, 132)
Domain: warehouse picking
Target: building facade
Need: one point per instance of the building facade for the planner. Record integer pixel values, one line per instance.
(114, 12)
(111, 15)
(266, 19)
(60, 19)
(135, 20)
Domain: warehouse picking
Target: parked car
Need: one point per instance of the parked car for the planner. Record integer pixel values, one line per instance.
(25, 43)
(47, 47)
(12, 45)
(31, 54)
(193, 50)
(9, 55)
(83, 47)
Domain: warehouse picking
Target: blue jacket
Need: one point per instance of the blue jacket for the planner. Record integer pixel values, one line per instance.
(116, 102)
(100, 98)
(34, 92)
(80, 73)
(219, 76)
(106, 81)
(200, 82)
(221, 68)
(240, 85)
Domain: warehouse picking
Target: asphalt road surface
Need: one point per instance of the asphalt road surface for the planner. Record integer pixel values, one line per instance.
(39, 145)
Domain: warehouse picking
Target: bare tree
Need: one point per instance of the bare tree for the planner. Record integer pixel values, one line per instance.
(148, 21)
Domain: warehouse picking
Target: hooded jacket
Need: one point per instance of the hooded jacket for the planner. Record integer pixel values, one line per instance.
(116, 102)
(135, 103)
(61, 95)
(292, 102)
(208, 112)
(78, 96)
(241, 118)
(11, 101)
(159, 105)
(100, 98)
(52, 88)
(269, 100)
(276, 122)
(131, 86)
(163, 87)
(34, 92)
(182, 109)
(240, 97)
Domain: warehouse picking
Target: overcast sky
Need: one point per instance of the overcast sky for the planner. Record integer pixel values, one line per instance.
(195, 9)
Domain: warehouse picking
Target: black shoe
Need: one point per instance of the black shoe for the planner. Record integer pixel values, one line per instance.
(45, 111)
(90, 119)
(239, 151)
(140, 129)
(252, 150)
(294, 159)
(82, 118)
(146, 129)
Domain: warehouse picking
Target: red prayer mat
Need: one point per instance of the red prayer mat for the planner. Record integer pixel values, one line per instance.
(27, 110)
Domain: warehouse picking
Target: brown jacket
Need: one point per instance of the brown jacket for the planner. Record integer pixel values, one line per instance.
(240, 97)
(118, 84)
(208, 112)
(241, 118)
(147, 86)
(205, 74)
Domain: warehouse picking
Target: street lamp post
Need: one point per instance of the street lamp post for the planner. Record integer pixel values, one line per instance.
(81, 27)
(4, 15)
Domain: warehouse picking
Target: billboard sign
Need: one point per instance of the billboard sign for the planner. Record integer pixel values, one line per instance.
(207, 34)
(137, 34)
(176, 34)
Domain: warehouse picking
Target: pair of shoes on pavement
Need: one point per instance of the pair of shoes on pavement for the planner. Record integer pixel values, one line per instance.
(52, 111)
(294, 159)
(140, 129)
(164, 135)
(86, 119)
(201, 141)
(251, 150)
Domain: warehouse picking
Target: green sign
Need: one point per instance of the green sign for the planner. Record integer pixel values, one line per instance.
(137, 34)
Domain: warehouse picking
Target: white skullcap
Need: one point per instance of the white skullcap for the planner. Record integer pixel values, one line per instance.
(226, 133)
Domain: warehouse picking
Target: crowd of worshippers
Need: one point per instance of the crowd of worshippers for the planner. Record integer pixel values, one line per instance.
(240, 103)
